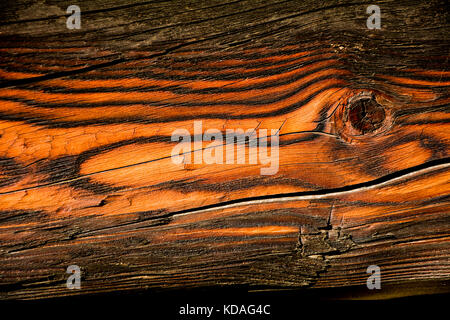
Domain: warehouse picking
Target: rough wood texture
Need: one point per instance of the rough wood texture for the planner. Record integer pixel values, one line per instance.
(86, 118)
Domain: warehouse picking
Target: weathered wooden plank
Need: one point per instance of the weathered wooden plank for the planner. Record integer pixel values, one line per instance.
(86, 173)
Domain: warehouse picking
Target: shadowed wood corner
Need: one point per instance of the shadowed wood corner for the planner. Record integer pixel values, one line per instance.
(360, 119)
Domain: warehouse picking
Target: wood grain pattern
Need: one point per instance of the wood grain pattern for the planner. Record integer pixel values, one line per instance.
(86, 118)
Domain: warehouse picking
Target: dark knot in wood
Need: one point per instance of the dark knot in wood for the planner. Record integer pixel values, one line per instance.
(361, 116)
(365, 114)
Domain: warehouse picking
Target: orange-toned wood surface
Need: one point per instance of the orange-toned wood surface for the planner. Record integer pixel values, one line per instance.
(87, 178)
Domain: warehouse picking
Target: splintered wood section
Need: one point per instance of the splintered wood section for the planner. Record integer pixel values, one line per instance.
(87, 177)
